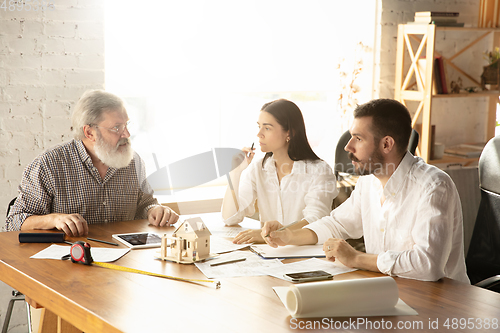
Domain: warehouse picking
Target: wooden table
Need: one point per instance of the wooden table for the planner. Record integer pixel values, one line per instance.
(96, 299)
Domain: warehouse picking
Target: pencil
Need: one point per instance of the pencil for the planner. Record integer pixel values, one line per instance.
(228, 262)
(102, 241)
(286, 226)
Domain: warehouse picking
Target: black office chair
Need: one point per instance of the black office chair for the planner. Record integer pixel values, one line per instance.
(11, 203)
(413, 143)
(483, 257)
(342, 162)
(344, 165)
(16, 295)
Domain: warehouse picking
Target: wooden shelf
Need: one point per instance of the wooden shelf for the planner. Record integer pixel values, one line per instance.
(425, 36)
(466, 29)
(449, 160)
(476, 94)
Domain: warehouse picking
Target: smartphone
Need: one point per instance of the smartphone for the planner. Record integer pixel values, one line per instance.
(308, 276)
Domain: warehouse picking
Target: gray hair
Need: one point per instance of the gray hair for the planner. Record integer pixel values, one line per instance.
(90, 109)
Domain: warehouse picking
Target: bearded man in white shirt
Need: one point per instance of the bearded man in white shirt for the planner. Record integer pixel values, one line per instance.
(409, 212)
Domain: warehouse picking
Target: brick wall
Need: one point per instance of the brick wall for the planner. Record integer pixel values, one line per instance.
(47, 60)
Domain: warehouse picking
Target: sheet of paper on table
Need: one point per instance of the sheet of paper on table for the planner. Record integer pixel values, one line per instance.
(252, 266)
(223, 245)
(289, 251)
(226, 231)
(100, 254)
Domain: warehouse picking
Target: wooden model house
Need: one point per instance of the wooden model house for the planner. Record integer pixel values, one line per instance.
(189, 243)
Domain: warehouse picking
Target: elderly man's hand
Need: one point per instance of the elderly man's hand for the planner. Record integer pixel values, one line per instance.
(71, 224)
(161, 216)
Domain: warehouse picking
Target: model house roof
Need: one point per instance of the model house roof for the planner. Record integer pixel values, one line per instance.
(194, 225)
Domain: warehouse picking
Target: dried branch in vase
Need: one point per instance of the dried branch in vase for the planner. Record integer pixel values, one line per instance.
(348, 73)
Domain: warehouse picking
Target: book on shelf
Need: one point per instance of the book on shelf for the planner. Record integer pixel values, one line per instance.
(433, 140)
(430, 19)
(422, 64)
(437, 77)
(465, 150)
(439, 24)
(442, 74)
(442, 19)
(437, 14)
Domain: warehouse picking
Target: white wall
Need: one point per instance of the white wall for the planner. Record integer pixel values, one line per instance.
(47, 60)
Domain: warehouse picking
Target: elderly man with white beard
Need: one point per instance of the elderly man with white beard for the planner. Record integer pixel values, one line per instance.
(94, 178)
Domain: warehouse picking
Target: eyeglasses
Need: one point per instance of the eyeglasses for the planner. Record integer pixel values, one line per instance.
(119, 129)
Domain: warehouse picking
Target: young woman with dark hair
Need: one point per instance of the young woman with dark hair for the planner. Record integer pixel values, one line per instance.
(291, 183)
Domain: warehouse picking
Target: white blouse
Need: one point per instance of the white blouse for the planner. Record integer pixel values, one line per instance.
(306, 193)
(416, 232)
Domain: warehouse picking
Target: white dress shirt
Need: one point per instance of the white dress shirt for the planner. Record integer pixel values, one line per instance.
(416, 232)
(306, 193)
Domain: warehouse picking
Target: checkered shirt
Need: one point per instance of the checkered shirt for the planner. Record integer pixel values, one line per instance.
(64, 180)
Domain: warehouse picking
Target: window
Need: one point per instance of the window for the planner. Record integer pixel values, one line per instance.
(195, 73)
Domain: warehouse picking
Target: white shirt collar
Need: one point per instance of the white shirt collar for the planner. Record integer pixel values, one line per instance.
(299, 167)
(395, 182)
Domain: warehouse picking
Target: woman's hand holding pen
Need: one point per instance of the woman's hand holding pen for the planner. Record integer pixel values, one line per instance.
(248, 236)
(242, 160)
(249, 153)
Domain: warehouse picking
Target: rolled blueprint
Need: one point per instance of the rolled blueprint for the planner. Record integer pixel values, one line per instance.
(338, 298)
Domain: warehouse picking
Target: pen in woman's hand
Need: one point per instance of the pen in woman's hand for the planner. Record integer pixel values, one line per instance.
(251, 148)
(284, 227)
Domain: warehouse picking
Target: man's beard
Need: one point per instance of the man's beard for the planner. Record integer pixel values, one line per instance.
(114, 157)
(374, 165)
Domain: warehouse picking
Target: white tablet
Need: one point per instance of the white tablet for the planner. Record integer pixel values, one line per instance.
(138, 240)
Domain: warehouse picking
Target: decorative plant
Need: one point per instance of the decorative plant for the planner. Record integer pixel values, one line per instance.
(493, 56)
(349, 90)
(491, 74)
